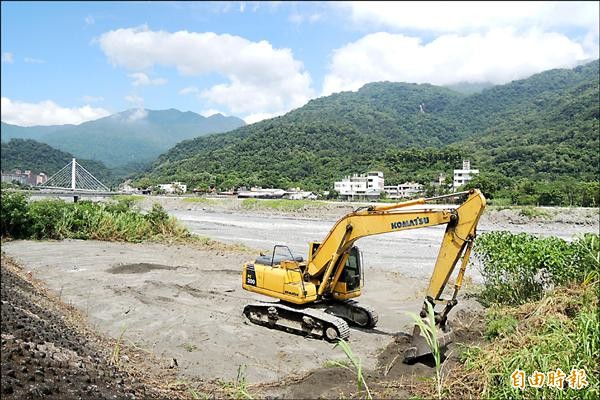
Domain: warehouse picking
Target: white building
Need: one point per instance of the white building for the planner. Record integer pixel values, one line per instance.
(464, 175)
(260, 193)
(404, 190)
(171, 188)
(361, 186)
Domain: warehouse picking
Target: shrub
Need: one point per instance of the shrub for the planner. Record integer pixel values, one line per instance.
(518, 267)
(56, 219)
(14, 219)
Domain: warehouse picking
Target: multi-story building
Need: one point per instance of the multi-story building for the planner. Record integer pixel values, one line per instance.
(464, 175)
(24, 178)
(404, 190)
(173, 188)
(361, 186)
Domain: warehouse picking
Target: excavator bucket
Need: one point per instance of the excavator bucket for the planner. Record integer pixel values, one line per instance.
(419, 346)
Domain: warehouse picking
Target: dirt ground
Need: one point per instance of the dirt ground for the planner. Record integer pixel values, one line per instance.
(186, 303)
(183, 306)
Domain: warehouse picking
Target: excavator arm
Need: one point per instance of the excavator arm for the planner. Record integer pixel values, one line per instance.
(329, 261)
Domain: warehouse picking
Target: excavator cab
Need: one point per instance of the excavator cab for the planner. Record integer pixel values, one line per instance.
(351, 278)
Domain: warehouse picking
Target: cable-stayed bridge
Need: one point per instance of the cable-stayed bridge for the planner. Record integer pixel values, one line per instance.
(74, 178)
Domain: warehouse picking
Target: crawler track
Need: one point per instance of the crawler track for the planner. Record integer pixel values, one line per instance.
(302, 321)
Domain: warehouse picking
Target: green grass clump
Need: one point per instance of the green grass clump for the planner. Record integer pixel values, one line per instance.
(128, 198)
(280, 204)
(202, 200)
(518, 267)
(534, 212)
(56, 219)
(559, 331)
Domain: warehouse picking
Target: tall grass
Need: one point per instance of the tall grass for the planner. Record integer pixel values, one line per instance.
(201, 200)
(544, 316)
(56, 219)
(280, 204)
(559, 331)
(355, 366)
(429, 331)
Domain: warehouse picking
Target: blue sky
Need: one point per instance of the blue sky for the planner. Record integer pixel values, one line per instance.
(72, 62)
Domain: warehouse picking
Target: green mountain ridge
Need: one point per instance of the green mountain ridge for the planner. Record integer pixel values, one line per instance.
(28, 154)
(132, 136)
(544, 127)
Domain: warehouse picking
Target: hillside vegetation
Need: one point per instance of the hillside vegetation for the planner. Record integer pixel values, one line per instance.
(27, 154)
(536, 131)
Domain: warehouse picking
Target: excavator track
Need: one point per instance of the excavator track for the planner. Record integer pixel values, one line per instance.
(355, 313)
(301, 321)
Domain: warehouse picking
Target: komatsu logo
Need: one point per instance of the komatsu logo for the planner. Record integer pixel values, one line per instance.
(410, 222)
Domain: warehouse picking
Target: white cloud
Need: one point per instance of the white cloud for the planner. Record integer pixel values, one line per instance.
(242, 6)
(465, 16)
(252, 118)
(7, 58)
(297, 18)
(92, 99)
(141, 79)
(498, 56)
(47, 113)
(260, 78)
(89, 20)
(30, 60)
(134, 98)
(136, 115)
(189, 90)
(211, 111)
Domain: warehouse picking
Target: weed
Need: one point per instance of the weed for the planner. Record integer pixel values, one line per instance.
(429, 331)
(189, 347)
(519, 267)
(56, 219)
(239, 388)
(280, 205)
(558, 331)
(355, 366)
(202, 200)
(115, 358)
(534, 212)
(499, 324)
(132, 198)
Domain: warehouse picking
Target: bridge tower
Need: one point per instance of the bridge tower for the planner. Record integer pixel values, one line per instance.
(76, 178)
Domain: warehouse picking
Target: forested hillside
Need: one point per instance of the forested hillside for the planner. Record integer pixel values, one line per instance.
(27, 154)
(543, 129)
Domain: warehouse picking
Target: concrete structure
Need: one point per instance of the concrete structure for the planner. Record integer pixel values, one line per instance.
(260, 193)
(172, 188)
(404, 190)
(361, 186)
(464, 175)
(299, 195)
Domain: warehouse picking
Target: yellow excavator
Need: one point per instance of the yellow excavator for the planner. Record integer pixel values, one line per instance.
(315, 295)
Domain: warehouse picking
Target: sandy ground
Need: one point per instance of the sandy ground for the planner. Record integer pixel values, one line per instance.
(185, 303)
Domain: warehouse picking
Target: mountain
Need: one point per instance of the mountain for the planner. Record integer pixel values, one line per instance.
(542, 127)
(27, 154)
(470, 87)
(132, 136)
